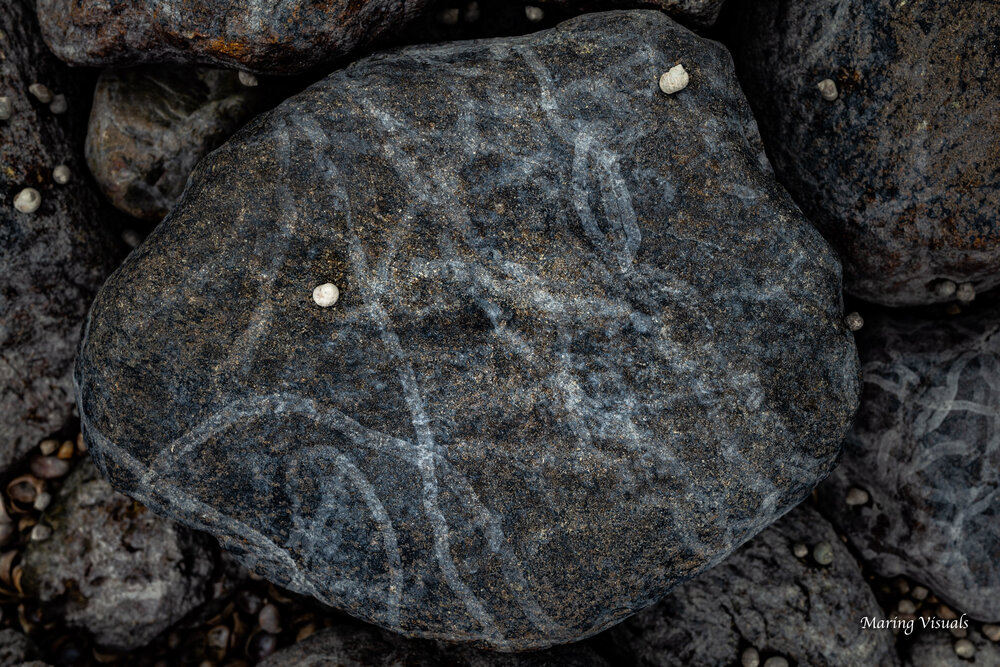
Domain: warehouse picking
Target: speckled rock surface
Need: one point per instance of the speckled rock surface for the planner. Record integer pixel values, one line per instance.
(113, 567)
(149, 126)
(564, 373)
(695, 12)
(52, 260)
(926, 448)
(277, 36)
(901, 171)
(765, 597)
(361, 646)
(936, 648)
(15, 648)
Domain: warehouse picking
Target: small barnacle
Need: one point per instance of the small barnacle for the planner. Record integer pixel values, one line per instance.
(248, 79)
(854, 321)
(966, 293)
(675, 79)
(58, 105)
(5, 108)
(27, 200)
(41, 92)
(828, 89)
(326, 295)
(534, 14)
(61, 174)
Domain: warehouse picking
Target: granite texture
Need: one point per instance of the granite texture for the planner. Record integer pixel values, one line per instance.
(936, 648)
(765, 597)
(149, 126)
(361, 646)
(114, 568)
(51, 261)
(15, 648)
(585, 346)
(900, 172)
(926, 448)
(266, 36)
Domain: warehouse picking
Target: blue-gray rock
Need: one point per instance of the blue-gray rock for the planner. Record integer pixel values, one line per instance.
(114, 568)
(926, 449)
(52, 260)
(149, 126)
(585, 346)
(363, 646)
(900, 171)
(765, 597)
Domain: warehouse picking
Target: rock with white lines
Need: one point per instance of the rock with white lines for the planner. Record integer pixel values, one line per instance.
(926, 449)
(583, 344)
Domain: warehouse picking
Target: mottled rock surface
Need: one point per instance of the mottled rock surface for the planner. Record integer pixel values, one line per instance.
(359, 646)
(695, 12)
(113, 567)
(926, 448)
(149, 126)
(765, 597)
(900, 172)
(276, 36)
(15, 648)
(936, 648)
(51, 261)
(584, 347)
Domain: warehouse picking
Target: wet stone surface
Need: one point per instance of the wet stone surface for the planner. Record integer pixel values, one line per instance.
(545, 394)
(896, 159)
(926, 448)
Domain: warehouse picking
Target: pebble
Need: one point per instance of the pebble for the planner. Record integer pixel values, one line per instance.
(41, 532)
(61, 174)
(28, 200)
(326, 295)
(960, 633)
(776, 661)
(906, 606)
(5, 108)
(966, 293)
(41, 92)
(471, 12)
(131, 238)
(58, 105)
(42, 501)
(992, 632)
(800, 550)
(534, 14)
(823, 553)
(828, 89)
(66, 451)
(919, 593)
(945, 289)
(48, 446)
(750, 658)
(262, 645)
(854, 321)
(269, 619)
(856, 496)
(7, 529)
(964, 648)
(946, 612)
(674, 80)
(49, 467)
(448, 16)
(248, 79)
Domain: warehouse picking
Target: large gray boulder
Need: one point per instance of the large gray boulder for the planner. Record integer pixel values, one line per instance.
(899, 171)
(114, 568)
(585, 346)
(926, 449)
(53, 259)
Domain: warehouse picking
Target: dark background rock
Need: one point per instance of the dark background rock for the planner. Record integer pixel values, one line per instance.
(696, 12)
(360, 645)
(52, 260)
(765, 597)
(901, 172)
(113, 567)
(926, 448)
(276, 36)
(585, 344)
(149, 126)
